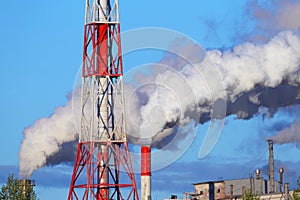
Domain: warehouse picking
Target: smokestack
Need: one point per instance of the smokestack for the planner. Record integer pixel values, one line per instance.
(286, 190)
(231, 192)
(281, 170)
(146, 173)
(271, 167)
(26, 187)
(257, 173)
(243, 191)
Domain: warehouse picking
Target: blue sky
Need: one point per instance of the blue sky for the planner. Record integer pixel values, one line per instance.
(41, 52)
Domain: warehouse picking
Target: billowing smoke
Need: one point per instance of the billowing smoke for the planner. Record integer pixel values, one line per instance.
(283, 15)
(45, 138)
(183, 93)
(290, 134)
(253, 76)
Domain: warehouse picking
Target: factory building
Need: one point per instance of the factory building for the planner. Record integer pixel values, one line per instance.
(233, 189)
(238, 188)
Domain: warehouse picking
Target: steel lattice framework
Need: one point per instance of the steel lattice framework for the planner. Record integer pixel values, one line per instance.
(102, 169)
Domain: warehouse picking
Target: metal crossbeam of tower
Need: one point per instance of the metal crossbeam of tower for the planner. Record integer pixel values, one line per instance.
(102, 169)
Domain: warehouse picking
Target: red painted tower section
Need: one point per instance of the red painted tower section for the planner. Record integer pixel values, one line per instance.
(145, 173)
(145, 161)
(102, 169)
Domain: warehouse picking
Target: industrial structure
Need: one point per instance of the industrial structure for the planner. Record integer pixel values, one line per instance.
(237, 189)
(102, 169)
(146, 173)
(26, 188)
(271, 167)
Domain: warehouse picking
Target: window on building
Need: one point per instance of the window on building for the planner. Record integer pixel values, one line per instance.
(201, 192)
(218, 190)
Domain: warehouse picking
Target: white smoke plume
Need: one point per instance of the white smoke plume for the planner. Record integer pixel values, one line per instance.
(284, 16)
(45, 138)
(272, 17)
(253, 76)
(290, 134)
(268, 65)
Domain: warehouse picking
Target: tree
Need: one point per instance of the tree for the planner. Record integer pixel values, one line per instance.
(296, 192)
(13, 190)
(295, 195)
(250, 196)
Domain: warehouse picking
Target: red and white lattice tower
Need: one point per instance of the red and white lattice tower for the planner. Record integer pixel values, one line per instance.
(102, 168)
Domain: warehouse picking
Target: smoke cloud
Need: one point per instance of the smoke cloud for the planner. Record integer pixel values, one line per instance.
(184, 93)
(45, 138)
(290, 134)
(254, 76)
(272, 17)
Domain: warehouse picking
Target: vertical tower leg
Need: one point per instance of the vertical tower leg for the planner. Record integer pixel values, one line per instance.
(102, 155)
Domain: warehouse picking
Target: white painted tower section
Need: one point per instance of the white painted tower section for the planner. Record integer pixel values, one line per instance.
(145, 173)
(145, 187)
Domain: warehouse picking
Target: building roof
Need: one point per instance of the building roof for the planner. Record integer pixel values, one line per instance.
(220, 181)
(207, 182)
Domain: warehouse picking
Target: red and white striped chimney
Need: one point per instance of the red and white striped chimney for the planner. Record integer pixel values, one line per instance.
(145, 173)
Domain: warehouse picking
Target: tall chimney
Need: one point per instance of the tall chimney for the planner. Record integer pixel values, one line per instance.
(231, 192)
(271, 167)
(286, 191)
(243, 192)
(257, 173)
(145, 173)
(281, 170)
(26, 187)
